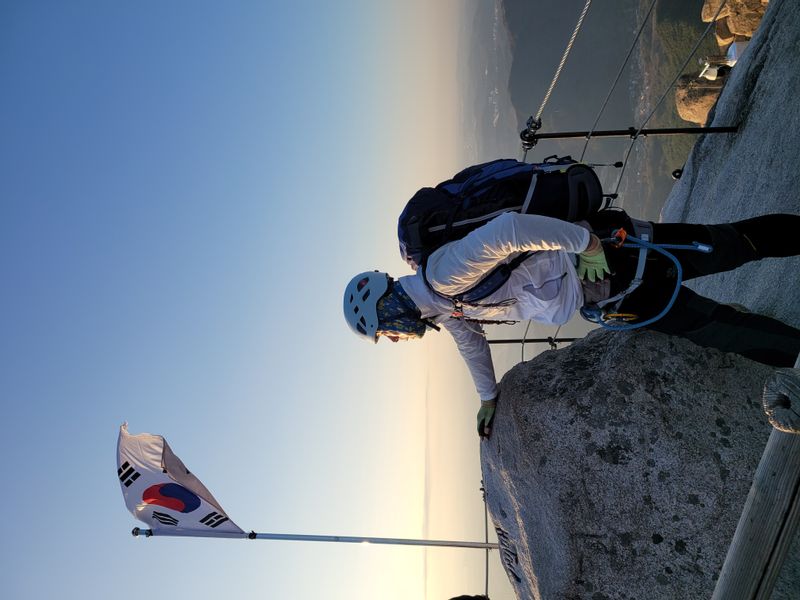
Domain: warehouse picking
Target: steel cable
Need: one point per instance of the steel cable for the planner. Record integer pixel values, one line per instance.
(619, 74)
(635, 136)
(563, 59)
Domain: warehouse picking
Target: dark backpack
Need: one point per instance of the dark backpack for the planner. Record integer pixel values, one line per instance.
(558, 187)
(563, 189)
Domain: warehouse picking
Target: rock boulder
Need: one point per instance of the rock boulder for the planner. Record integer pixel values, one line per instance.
(723, 34)
(618, 467)
(695, 97)
(745, 17)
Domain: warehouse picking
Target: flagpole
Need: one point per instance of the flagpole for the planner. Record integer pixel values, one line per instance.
(318, 538)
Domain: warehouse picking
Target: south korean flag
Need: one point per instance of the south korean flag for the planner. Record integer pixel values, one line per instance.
(159, 490)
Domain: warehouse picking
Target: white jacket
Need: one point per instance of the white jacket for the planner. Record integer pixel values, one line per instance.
(546, 286)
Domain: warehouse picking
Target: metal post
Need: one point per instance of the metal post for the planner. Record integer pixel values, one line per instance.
(530, 136)
(318, 538)
(550, 341)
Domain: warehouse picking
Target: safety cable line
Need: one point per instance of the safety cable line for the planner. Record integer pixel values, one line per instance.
(563, 59)
(524, 337)
(524, 154)
(485, 537)
(635, 136)
(555, 335)
(619, 75)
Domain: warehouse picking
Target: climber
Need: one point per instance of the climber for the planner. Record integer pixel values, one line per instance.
(570, 266)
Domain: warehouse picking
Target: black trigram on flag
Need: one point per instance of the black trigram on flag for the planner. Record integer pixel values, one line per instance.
(127, 474)
(213, 519)
(164, 518)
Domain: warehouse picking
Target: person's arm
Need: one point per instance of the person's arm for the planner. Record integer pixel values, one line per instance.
(460, 264)
(474, 350)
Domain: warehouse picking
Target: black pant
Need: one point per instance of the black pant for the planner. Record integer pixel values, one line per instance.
(701, 319)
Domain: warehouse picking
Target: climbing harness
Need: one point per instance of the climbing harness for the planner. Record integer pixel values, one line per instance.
(606, 313)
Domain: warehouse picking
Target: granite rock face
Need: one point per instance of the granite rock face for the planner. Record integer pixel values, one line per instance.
(723, 33)
(694, 98)
(618, 467)
(743, 15)
(751, 173)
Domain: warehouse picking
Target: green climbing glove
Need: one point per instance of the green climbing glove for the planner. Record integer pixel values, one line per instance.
(485, 417)
(592, 263)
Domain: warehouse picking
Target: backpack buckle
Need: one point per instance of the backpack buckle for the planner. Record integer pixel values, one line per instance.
(618, 237)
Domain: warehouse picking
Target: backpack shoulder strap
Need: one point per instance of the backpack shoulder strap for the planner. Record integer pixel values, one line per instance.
(488, 284)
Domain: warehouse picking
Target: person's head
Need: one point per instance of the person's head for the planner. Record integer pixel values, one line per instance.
(376, 306)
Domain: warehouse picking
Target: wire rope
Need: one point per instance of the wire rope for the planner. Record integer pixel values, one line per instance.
(524, 337)
(635, 136)
(619, 75)
(536, 119)
(563, 59)
(555, 335)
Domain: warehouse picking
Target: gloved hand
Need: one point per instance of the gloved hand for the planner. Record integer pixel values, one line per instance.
(592, 263)
(485, 417)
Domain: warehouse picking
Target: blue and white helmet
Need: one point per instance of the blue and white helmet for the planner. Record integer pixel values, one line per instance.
(361, 302)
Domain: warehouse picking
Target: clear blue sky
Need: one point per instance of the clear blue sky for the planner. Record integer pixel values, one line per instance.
(185, 187)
